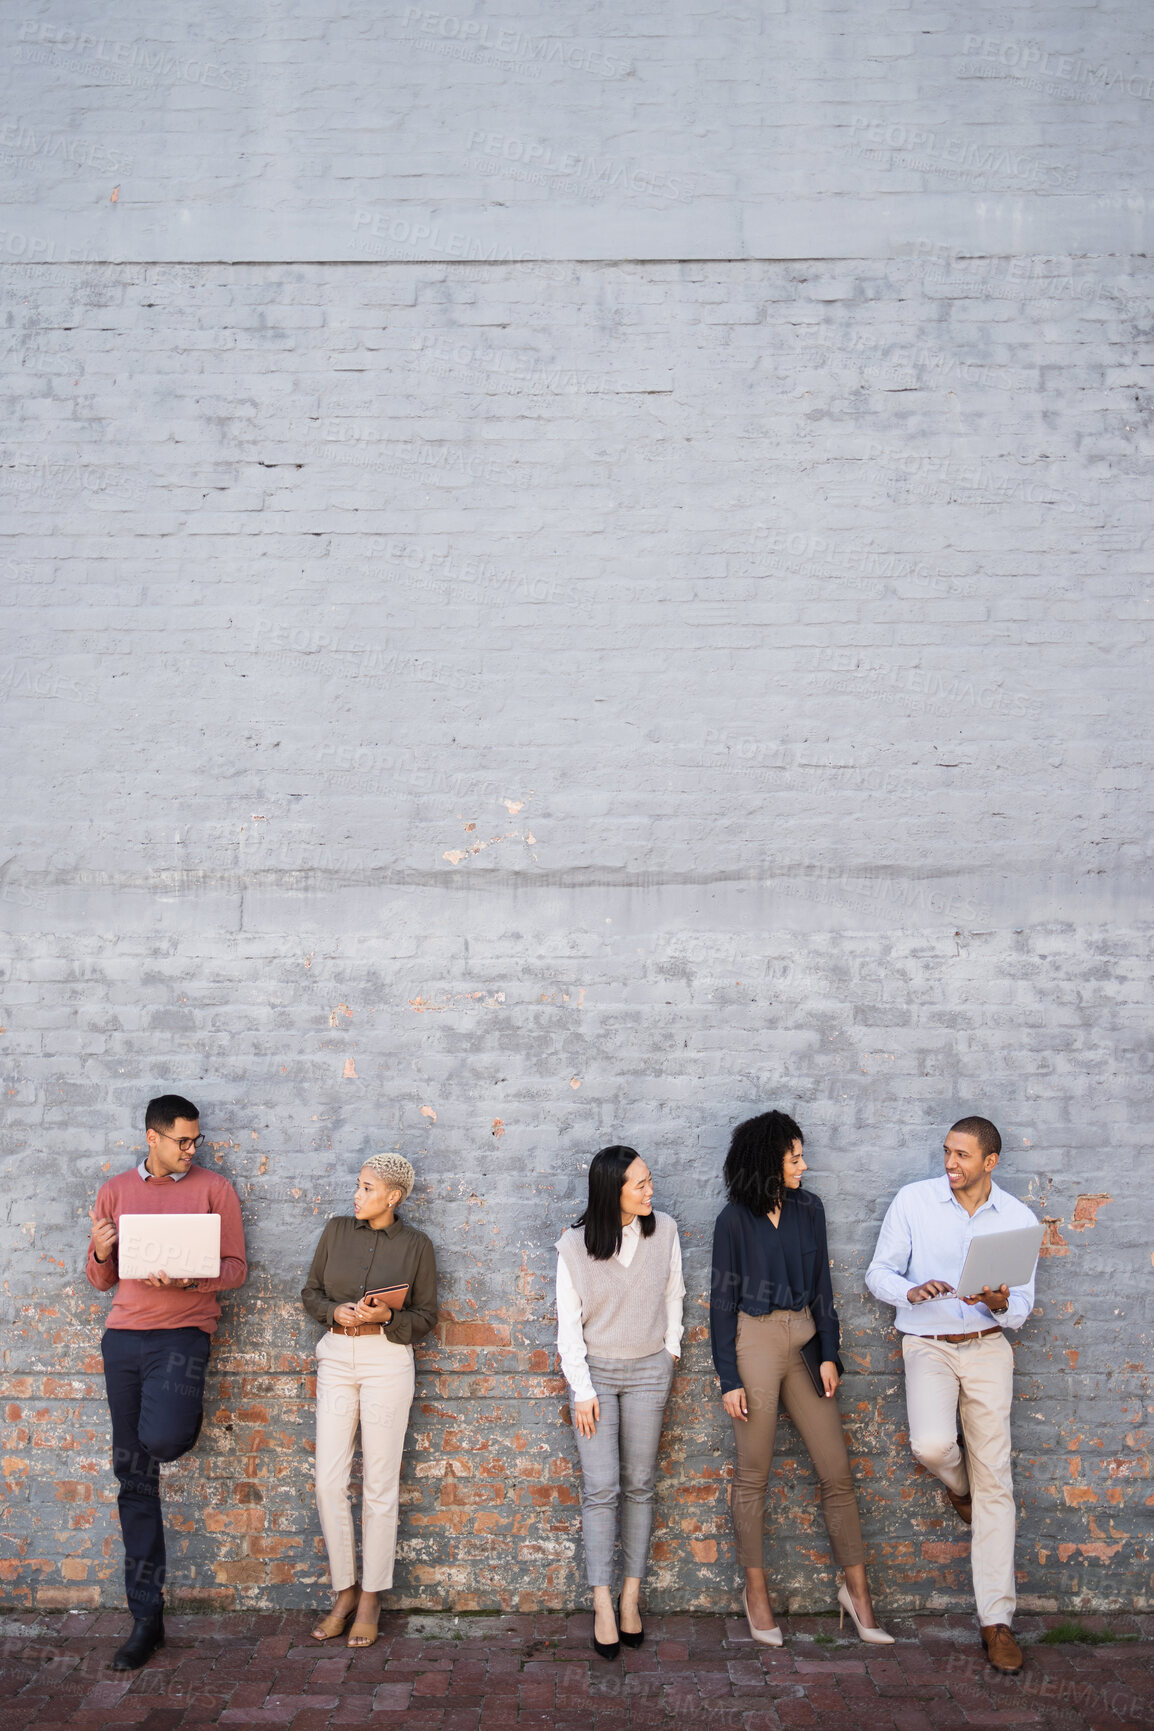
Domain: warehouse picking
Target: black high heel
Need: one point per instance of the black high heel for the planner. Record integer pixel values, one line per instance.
(626, 1639)
(606, 1649)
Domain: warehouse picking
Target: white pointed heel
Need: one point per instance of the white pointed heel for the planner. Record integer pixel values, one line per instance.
(875, 1637)
(763, 1637)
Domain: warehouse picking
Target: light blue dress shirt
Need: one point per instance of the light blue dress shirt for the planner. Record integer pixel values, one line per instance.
(146, 1174)
(925, 1236)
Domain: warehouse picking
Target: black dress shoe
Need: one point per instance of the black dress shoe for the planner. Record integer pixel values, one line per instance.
(147, 1635)
(606, 1649)
(628, 1640)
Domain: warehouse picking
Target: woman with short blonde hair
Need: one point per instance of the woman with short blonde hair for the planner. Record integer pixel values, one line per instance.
(373, 1285)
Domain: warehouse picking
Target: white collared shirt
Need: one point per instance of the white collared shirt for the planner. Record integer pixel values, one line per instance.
(146, 1174)
(925, 1236)
(571, 1340)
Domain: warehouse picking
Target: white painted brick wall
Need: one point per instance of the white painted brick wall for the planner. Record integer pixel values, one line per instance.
(746, 622)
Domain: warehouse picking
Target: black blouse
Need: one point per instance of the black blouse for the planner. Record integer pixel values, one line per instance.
(759, 1267)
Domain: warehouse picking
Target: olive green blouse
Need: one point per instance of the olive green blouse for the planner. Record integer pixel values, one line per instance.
(353, 1258)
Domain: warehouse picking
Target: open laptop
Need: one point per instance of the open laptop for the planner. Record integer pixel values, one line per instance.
(184, 1246)
(1000, 1259)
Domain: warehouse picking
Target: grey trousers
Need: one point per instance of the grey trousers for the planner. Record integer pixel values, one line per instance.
(619, 1463)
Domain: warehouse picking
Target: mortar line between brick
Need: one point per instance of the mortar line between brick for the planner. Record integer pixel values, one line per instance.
(522, 264)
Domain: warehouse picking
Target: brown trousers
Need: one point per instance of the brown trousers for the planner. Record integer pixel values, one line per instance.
(771, 1369)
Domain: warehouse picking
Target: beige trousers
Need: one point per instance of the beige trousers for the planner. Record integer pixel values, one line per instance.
(975, 1379)
(770, 1365)
(362, 1380)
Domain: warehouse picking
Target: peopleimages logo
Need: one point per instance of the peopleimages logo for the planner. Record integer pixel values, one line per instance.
(516, 370)
(900, 145)
(381, 233)
(1027, 60)
(509, 44)
(132, 62)
(806, 553)
(532, 159)
(19, 139)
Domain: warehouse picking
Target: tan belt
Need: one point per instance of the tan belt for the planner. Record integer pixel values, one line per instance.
(361, 1328)
(956, 1339)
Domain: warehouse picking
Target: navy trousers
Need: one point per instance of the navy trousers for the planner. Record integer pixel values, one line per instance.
(155, 1382)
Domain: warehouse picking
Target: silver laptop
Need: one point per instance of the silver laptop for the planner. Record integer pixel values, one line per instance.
(1000, 1259)
(184, 1246)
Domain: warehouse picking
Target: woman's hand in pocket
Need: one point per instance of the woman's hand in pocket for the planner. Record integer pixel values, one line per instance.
(585, 1416)
(829, 1377)
(736, 1404)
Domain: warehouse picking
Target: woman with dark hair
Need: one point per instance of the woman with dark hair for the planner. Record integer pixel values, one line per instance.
(771, 1299)
(619, 1298)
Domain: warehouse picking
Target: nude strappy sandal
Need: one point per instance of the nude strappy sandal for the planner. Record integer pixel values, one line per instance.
(333, 1625)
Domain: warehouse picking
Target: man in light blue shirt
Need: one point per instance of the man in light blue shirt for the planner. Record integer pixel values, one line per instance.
(957, 1357)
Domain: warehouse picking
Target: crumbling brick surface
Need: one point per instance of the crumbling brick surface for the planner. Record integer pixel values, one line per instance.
(566, 584)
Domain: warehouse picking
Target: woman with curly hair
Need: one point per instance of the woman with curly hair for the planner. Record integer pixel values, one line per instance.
(771, 1299)
(365, 1376)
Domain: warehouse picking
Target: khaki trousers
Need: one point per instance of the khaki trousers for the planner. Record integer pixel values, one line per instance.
(770, 1365)
(975, 1379)
(368, 1381)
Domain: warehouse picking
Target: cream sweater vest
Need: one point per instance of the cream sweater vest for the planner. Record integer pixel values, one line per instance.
(622, 1309)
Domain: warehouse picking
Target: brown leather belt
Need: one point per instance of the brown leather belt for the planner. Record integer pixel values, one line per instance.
(974, 1334)
(361, 1328)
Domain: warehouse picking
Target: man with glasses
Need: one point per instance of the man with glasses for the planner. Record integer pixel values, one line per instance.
(156, 1346)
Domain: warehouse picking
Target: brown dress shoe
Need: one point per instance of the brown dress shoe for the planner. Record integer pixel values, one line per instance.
(963, 1505)
(1002, 1650)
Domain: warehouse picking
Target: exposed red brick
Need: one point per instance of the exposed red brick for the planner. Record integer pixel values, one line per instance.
(1086, 1211)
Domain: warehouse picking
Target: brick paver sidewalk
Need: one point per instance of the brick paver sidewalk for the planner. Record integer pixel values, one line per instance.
(494, 1673)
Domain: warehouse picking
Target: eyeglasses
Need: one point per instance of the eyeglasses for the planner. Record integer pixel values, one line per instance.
(186, 1144)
